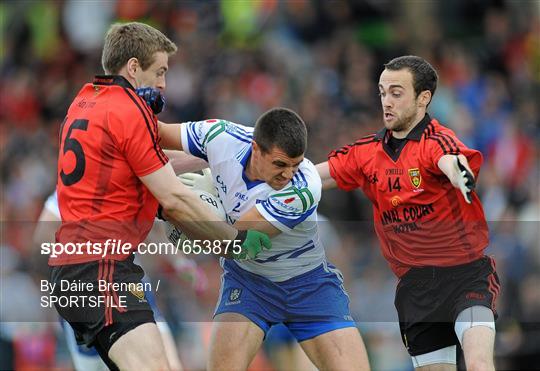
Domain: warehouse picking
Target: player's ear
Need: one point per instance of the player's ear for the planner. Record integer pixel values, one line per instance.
(424, 98)
(132, 66)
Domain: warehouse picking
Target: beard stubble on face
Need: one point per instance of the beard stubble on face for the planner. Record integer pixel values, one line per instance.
(404, 122)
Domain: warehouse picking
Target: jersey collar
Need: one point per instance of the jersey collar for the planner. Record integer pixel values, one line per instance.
(415, 134)
(244, 161)
(112, 80)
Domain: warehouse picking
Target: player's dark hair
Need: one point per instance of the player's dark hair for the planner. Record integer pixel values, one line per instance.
(424, 75)
(282, 128)
(133, 40)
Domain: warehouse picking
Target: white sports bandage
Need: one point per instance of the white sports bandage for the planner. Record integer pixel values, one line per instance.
(443, 355)
(471, 317)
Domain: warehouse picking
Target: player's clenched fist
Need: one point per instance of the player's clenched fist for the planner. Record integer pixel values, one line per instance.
(152, 97)
(252, 243)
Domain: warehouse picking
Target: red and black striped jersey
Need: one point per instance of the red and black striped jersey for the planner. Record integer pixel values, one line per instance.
(108, 140)
(420, 218)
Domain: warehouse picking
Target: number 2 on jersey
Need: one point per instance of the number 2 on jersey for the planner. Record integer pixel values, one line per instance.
(71, 144)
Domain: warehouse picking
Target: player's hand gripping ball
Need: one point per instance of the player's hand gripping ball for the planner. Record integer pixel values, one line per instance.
(202, 182)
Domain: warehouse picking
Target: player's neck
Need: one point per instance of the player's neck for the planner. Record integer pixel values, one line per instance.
(402, 134)
(250, 171)
(124, 73)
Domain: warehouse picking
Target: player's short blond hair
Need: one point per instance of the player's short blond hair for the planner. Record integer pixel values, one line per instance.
(133, 40)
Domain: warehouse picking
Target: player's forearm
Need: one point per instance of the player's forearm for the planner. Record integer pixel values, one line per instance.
(458, 171)
(170, 135)
(324, 172)
(196, 219)
(447, 166)
(184, 163)
(252, 219)
(185, 208)
(198, 224)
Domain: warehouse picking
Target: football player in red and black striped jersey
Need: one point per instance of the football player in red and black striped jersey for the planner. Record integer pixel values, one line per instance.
(430, 223)
(112, 174)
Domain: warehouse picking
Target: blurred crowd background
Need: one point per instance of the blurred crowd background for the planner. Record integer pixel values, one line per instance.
(322, 59)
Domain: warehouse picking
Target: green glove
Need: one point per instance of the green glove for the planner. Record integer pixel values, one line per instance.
(252, 243)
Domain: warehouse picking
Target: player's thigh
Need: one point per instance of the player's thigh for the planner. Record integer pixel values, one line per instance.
(426, 327)
(478, 343)
(341, 349)
(140, 349)
(234, 343)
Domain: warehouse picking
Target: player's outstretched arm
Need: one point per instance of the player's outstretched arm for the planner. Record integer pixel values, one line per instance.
(171, 135)
(252, 219)
(185, 163)
(457, 169)
(324, 172)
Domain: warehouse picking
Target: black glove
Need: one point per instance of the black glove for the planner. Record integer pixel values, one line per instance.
(466, 181)
(152, 97)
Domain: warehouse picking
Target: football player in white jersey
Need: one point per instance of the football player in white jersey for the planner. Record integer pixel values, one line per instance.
(265, 183)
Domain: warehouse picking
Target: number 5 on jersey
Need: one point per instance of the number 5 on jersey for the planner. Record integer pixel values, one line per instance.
(73, 145)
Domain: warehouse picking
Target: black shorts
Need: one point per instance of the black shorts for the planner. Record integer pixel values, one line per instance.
(101, 314)
(429, 299)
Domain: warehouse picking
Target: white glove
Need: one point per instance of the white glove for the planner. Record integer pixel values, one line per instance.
(465, 180)
(203, 182)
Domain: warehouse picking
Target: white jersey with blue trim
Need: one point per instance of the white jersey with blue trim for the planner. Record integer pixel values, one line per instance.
(226, 147)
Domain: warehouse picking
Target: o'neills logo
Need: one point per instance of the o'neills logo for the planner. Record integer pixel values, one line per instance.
(416, 178)
(396, 201)
(137, 292)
